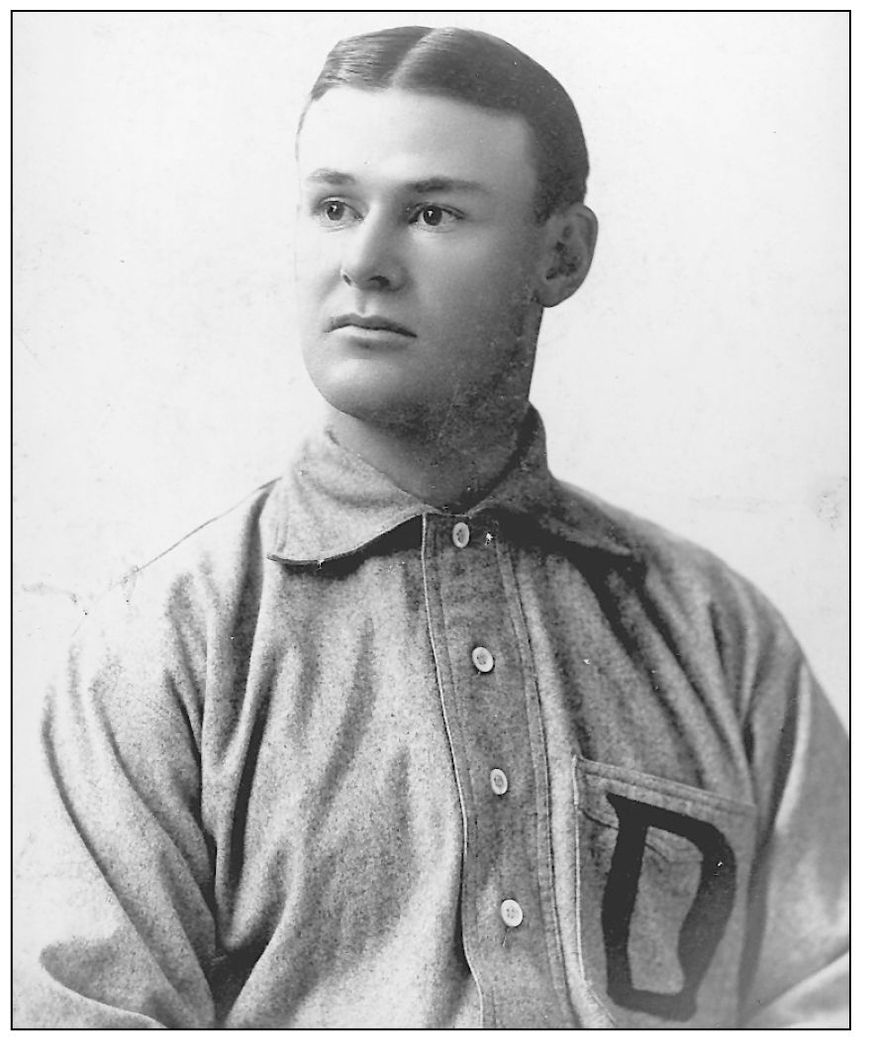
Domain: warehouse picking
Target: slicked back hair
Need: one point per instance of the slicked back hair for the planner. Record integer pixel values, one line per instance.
(479, 69)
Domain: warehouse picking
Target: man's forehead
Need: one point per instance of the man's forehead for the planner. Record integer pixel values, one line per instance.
(415, 136)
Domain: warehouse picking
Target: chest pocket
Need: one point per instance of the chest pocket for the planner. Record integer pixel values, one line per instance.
(662, 874)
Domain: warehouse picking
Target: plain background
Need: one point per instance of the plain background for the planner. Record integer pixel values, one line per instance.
(699, 377)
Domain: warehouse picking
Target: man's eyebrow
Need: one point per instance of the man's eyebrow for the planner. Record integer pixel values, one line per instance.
(443, 183)
(331, 177)
(434, 184)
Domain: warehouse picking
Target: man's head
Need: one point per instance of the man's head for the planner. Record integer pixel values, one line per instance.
(443, 175)
(483, 71)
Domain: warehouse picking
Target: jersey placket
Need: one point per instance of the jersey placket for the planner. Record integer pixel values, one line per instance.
(493, 725)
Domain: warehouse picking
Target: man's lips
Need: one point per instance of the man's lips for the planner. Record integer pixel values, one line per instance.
(369, 323)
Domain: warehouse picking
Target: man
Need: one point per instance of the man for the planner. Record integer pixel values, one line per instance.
(417, 735)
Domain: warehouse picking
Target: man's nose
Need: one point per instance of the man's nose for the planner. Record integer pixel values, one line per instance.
(372, 258)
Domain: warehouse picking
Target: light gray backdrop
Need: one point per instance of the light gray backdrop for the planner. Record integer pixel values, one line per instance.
(699, 377)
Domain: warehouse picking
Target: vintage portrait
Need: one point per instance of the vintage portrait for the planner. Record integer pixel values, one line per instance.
(431, 513)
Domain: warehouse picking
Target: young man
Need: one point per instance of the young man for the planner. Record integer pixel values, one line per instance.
(417, 735)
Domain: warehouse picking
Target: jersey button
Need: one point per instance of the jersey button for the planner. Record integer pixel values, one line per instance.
(498, 781)
(460, 535)
(482, 660)
(511, 913)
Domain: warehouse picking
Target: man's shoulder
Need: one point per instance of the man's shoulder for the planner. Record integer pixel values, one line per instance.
(643, 538)
(675, 570)
(224, 541)
(204, 571)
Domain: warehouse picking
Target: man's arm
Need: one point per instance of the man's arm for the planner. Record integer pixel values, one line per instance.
(798, 921)
(114, 925)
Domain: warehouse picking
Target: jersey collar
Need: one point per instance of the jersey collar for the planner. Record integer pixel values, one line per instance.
(332, 504)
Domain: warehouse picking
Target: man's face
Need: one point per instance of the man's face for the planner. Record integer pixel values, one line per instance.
(416, 254)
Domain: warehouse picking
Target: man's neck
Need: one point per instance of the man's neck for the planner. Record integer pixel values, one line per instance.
(450, 468)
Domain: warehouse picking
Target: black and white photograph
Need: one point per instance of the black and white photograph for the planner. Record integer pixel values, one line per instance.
(430, 514)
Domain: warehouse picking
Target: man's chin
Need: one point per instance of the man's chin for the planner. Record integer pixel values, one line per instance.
(384, 408)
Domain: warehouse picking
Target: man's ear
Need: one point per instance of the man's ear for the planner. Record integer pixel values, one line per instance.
(567, 253)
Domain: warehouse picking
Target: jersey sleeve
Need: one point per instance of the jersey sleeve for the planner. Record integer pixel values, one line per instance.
(114, 922)
(796, 958)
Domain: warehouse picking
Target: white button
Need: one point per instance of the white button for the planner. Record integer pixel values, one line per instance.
(511, 913)
(482, 660)
(498, 781)
(460, 535)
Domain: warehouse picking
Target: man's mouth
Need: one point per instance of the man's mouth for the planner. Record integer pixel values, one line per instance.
(369, 323)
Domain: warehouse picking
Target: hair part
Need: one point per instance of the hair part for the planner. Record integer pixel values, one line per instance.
(479, 69)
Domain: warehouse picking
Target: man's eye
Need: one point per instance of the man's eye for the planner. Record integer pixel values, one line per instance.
(333, 211)
(433, 216)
